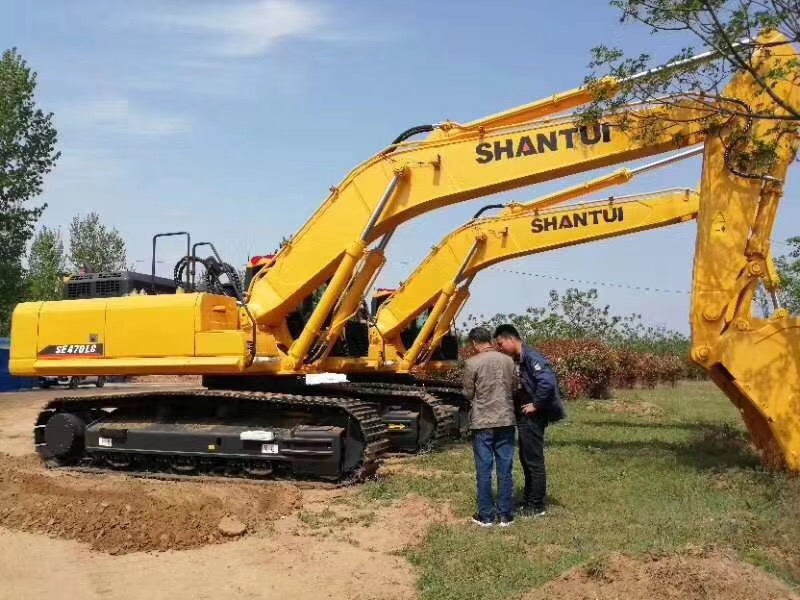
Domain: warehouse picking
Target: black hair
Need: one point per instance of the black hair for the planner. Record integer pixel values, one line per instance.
(507, 331)
(480, 335)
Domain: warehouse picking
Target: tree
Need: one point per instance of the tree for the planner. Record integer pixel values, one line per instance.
(95, 247)
(46, 265)
(789, 271)
(576, 315)
(285, 241)
(717, 26)
(27, 154)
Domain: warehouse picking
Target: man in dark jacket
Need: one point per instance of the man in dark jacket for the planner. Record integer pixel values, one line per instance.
(489, 384)
(537, 404)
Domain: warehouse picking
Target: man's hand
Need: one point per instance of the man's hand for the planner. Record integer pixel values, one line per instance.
(528, 409)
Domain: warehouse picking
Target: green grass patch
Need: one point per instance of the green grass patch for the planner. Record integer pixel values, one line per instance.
(652, 471)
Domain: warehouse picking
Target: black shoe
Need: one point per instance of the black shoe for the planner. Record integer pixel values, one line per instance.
(506, 520)
(531, 512)
(481, 522)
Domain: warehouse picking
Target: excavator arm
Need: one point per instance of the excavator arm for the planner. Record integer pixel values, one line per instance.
(455, 258)
(419, 177)
(756, 362)
(518, 232)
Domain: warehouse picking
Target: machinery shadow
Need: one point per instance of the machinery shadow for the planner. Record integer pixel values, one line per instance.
(713, 447)
(700, 425)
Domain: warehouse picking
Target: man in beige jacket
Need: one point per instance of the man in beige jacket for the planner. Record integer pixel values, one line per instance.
(489, 384)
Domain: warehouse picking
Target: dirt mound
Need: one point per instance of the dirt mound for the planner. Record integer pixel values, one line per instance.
(707, 575)
(118, 514)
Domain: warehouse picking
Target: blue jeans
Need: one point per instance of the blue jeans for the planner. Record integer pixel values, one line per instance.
(494, 446)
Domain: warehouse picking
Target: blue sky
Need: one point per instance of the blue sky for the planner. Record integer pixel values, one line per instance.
(233, 118)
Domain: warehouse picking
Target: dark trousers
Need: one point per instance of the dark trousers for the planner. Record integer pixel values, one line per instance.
(531, 455)
(494, 447)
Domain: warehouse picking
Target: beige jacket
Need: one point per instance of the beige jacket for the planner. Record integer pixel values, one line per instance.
(489, 383)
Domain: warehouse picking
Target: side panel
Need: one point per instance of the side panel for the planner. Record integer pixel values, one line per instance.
(68, 322)
(24, 323)
(151, 325)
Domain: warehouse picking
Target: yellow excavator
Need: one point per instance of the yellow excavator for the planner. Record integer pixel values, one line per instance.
(258, 414)
(420, 314)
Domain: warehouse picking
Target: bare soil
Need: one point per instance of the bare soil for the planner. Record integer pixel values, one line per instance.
(117, 514)
(710, 575)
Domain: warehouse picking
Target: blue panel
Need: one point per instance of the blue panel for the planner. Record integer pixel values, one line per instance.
(7, 382)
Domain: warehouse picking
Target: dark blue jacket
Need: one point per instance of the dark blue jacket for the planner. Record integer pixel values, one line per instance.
(539, 384)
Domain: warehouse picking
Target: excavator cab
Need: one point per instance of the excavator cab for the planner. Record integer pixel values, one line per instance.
(254, 265)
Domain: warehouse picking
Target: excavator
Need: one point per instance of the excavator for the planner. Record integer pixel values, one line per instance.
(258, 413)
(421, 313)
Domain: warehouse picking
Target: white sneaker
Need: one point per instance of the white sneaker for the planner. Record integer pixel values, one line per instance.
(480, 522)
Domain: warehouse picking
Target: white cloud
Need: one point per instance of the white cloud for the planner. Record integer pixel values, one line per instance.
(253, 27)
(116, 114)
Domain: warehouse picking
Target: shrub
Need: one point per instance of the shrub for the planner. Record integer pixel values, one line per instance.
(693, 371)
(631, 368)
(670, 369)
(592, 368)
(585, 368)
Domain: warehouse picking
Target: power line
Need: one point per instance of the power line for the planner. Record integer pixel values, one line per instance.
(628, 286)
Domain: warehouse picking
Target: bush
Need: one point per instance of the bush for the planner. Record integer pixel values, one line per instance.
(693, 371)
(585, 368)
(670, 369)
(631, 368)
(591, 368)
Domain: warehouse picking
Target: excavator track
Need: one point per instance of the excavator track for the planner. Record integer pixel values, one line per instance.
(310, 437)
(454, 398)
(450, 395)
(437, 420)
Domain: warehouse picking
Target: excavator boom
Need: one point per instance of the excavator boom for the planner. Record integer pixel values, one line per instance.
(486, 242)
(452, 256)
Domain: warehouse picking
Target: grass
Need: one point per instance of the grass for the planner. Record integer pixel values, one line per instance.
(678, 473)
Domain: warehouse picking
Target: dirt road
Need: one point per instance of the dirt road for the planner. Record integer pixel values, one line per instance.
(86, 537)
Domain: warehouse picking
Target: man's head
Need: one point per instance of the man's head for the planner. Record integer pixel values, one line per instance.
(479, 337)
(508, 340)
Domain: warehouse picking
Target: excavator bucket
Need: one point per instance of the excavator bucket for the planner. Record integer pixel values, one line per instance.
(756, 362)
